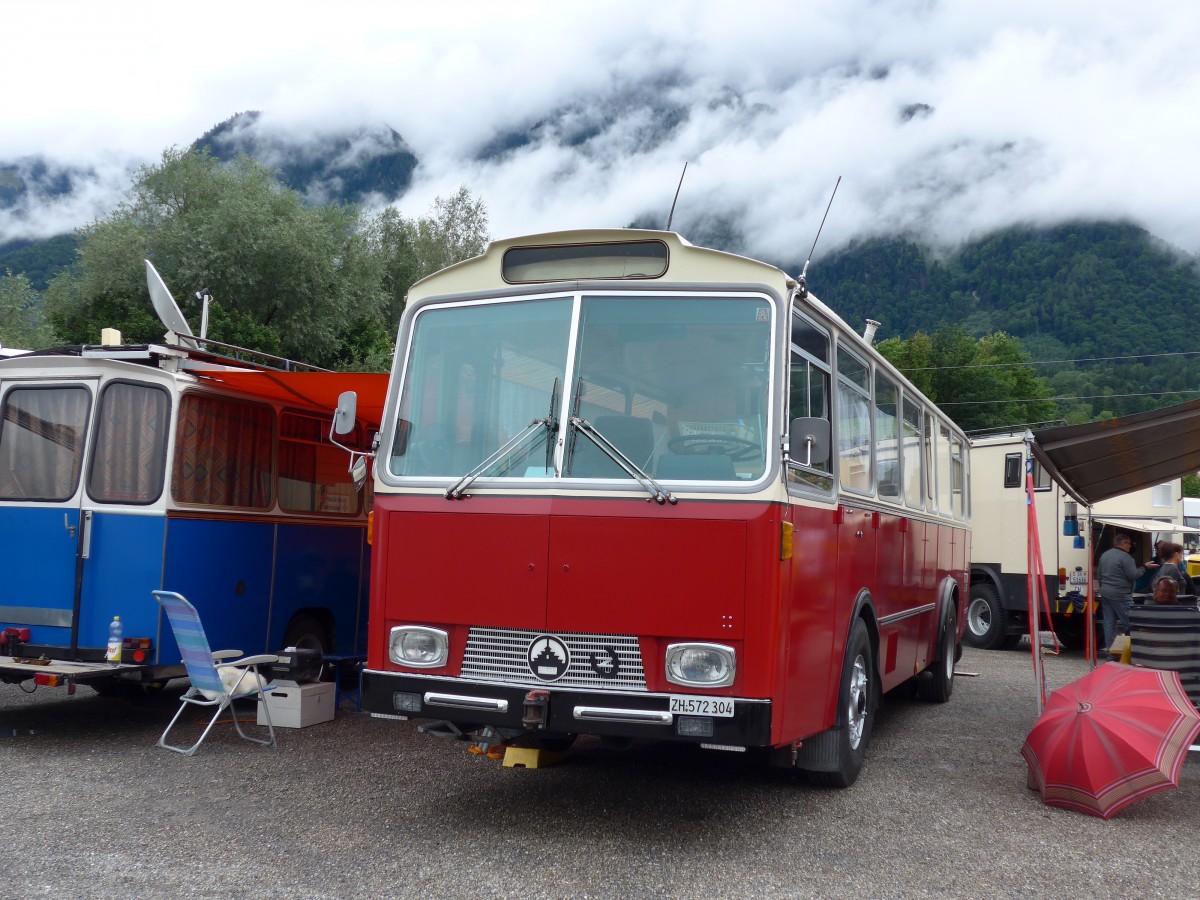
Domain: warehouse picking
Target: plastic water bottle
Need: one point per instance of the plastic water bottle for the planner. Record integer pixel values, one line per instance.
(113, 654)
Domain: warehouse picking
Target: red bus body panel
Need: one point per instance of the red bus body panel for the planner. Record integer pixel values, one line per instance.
(707, 570)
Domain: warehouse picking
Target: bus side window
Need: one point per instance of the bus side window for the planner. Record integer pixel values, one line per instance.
(945, 486)
(808, 395)
(312, 472)
(854, 444)
(927, 464)
(958, 478)
(129, 462)
(42, 432)
(911, 456)
(887, 435)
(223, 452)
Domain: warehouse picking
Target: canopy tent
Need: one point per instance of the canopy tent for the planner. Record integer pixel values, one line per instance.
(1146, 526)
(1105, 459)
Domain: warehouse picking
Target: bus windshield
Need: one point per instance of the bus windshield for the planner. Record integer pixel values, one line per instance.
(677, 383)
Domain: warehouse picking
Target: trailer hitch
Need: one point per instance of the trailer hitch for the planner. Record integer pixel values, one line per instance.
(535, 710)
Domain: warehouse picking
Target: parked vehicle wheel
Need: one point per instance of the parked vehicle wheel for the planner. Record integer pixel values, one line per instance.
(985, 618)
(307, 633)
(856, 711)
(1072, 631)
(937, 683)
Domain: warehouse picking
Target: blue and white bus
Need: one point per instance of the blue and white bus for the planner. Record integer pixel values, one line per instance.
(125, 469)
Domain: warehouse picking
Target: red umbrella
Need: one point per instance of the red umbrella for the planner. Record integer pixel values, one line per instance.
(1116, 735)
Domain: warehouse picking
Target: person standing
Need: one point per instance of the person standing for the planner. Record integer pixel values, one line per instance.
(1117, 575)
(1173, 568)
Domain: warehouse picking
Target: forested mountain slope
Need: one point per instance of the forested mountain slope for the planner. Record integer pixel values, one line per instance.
(1078, 291)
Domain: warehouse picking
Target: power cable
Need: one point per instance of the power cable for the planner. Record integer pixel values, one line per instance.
(1040, 399)
(1048, 362)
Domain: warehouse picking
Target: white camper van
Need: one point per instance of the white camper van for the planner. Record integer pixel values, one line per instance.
(997, 613)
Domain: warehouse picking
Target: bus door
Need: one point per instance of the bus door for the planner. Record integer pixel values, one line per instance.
(123, 523)
(43, 432)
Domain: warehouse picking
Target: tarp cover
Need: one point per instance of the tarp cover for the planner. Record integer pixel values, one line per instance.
(1105, 459)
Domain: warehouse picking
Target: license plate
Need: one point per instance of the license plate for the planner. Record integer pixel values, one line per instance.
(1079, 578)
(689, 705)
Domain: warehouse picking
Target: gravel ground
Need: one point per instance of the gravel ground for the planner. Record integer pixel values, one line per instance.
(360, 807)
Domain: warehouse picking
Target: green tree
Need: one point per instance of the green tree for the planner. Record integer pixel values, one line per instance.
(1191, 485)
(981, 384)
(319, 284)
(409, 249)
(21, 322)
(268, 260)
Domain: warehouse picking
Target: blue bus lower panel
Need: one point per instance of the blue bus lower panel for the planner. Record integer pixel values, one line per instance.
(124, 564)
(224, 568)
(40, 548)
(248, 578)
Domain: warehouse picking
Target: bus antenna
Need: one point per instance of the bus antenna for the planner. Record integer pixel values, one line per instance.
(671, 215)
(804, 272)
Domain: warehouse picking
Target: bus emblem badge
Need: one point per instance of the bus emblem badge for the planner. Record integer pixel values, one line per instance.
(607, 665)
(548, 657)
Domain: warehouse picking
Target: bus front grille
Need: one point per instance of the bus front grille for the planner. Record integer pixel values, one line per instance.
(502, 655)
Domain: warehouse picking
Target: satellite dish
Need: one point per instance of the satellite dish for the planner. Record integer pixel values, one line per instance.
(178, 330)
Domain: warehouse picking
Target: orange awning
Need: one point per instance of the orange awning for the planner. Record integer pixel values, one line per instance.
(311, 390)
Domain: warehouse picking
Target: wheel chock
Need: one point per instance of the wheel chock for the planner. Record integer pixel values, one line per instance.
(530, 758)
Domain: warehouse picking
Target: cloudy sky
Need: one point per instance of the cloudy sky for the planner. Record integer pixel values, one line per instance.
(945, 118)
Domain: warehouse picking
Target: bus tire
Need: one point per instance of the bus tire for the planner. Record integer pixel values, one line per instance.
(855, 714)
(307, 633)
(985, 618)
(937, 684)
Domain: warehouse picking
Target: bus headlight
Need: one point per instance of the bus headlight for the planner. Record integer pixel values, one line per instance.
(418, 646)
(701, 665)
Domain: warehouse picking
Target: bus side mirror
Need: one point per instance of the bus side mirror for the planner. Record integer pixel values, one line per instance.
(344, 415)
(808, 441)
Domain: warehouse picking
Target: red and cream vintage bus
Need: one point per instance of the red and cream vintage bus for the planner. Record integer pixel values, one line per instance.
(633, 488)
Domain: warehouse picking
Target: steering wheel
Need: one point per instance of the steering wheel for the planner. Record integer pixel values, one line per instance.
(715, 444)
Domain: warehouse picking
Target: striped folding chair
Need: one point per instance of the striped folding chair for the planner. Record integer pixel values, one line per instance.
(1166, 636)
(212, 687)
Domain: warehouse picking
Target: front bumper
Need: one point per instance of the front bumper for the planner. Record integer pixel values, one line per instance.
(473, 704)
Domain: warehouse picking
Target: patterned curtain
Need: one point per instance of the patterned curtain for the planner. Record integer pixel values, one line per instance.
(127, 466)
(41, 442)
(223, 453)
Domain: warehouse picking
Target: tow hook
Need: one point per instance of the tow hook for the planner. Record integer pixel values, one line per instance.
(533, 714)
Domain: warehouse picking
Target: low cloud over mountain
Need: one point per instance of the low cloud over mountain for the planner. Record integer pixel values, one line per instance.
(947, 119)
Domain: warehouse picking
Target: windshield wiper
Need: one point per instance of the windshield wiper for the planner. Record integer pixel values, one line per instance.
(550, 423)
(580, 425)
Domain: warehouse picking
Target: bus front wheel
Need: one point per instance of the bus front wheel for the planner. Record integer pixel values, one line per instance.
(856, 711)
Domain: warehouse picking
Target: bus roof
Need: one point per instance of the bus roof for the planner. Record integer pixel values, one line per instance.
(683, 262)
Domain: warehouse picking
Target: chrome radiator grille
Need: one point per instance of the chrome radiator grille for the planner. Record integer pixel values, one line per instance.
(500, 654)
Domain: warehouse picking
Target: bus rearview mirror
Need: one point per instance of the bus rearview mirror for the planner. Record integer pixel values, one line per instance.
(347, 410)
(808, 441)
